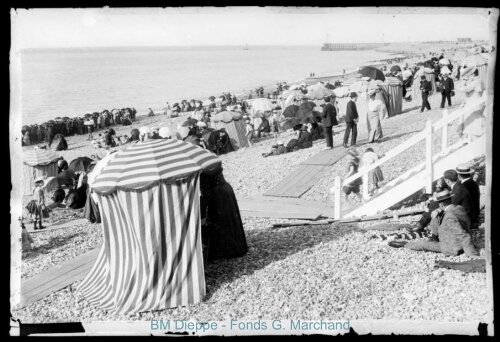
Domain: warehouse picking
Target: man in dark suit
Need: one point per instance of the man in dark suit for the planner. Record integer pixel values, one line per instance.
(351, 119)
(448, 87)
(426, 88)
(329, 116)
(461, 195)
(465, 177)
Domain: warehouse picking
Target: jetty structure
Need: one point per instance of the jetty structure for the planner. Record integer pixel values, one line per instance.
(350, 46)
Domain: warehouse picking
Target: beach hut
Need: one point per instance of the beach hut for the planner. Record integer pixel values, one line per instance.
(149, 201)
(38, 163)
(394, 88)
(235, 127)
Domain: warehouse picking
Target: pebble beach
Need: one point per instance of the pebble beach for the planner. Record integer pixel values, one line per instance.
(331, 271)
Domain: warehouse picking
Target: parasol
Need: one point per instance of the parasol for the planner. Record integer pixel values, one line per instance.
(263, 105)
(395, 68)
(291, 111)
(80, 164)
(226, 116)
(373, 73)
(39, 157)
(89, 123)
(289, 123)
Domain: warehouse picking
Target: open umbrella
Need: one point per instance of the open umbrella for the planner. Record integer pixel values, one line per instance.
(65, 118)
(51, 122)
(66, 177)
(289, 123)
(256, 114)
(290, 111)
(329, 86)
(395, 68)
(211, 98)
(262, 104)
(294, 92)
(304, 109)
(309, 119)
(80, 164)
(226, 116)
(475, 60)
(51, 184)
(373, 73)
(318, 92)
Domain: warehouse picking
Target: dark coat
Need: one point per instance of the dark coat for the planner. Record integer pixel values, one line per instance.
(462, 197)
(447, 85)
(305, 139)
(475, 194)
(425, 87)
(62, 146)
(351, 112)
(454, 232)
(329, 116)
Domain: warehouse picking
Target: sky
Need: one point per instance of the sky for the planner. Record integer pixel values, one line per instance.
(104, 27)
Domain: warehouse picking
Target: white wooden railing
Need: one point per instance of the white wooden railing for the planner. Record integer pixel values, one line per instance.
(426, 134)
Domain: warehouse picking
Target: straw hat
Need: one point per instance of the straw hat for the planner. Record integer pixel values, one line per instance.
(442, 195)
(464, 169)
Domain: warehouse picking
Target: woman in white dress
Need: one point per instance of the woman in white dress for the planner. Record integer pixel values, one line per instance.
(376, 112)
(473, 124)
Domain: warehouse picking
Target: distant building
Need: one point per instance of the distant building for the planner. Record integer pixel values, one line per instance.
(464, 40)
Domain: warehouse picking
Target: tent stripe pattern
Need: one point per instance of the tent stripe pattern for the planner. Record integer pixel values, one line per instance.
(39, 157)
(145, 164)
(236, 131)
(151, 258)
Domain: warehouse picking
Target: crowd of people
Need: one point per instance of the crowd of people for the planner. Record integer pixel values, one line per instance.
(85, 124)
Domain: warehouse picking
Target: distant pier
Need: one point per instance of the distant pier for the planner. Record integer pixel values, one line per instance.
(343, 46)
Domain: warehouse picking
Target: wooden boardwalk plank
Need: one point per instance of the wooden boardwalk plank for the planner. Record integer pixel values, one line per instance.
(45, 283)
(307, 182)
(284, 185)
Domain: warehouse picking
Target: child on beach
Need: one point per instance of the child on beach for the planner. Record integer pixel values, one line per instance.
(370, 157)
(250, 131)
(352, 168)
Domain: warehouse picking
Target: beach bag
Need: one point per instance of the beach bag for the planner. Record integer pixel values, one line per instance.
(31, 207)
(45, 212)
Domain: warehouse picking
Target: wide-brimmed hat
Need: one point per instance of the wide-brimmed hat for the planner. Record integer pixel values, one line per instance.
(370, 92)
(467, 71)
(442, 195)
(39, 179)
(464, 169)
(279, 142)
(353, 94)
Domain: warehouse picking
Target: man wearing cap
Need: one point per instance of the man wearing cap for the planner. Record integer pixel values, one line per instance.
(465, 177)
(351, 119)
(329, 116)
(447, 88)
(452, 227)
(426, 88)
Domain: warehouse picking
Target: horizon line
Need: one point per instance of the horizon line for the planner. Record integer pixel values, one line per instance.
(236, 45)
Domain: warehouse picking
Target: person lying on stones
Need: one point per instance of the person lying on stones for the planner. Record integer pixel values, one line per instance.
(278, 149)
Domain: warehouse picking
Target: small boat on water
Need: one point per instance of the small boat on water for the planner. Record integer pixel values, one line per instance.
(246, 47)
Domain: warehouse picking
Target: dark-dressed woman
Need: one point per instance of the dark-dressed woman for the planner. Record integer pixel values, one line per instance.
(222, 228)
(63, 144)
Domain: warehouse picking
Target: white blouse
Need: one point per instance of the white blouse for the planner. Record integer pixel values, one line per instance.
(375, 105)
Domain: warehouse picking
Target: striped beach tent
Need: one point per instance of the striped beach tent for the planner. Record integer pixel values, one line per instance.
(148, 197)
(37, 163)
(235, 127)
(394, 87)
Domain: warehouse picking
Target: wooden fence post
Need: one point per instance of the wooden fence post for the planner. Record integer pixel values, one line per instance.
(365, 186)
(336, 207)
(444, 143)
(428, 157)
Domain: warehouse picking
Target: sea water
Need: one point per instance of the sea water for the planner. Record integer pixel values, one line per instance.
(69, 82)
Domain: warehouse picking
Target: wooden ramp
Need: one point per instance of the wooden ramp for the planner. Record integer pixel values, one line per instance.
(57, 278)
(311, 170)
(288, 208)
